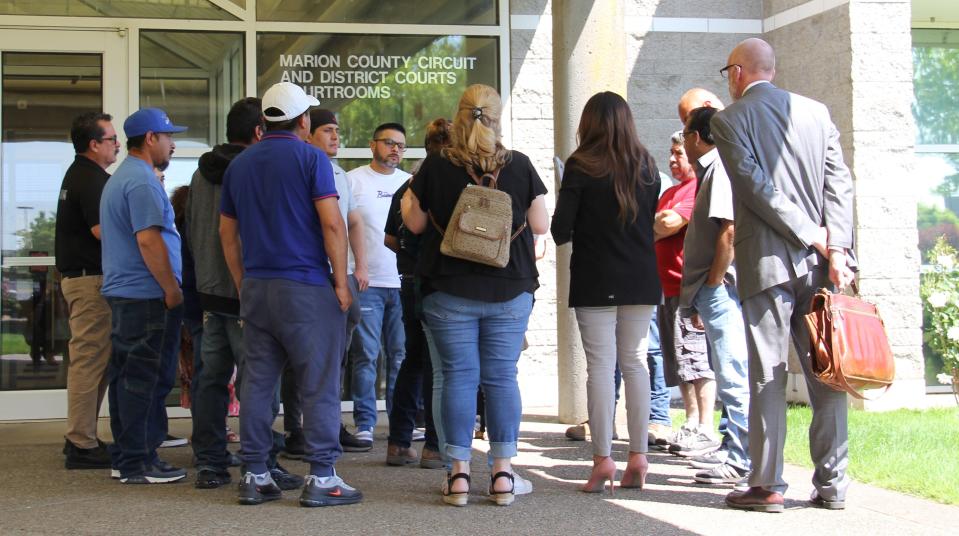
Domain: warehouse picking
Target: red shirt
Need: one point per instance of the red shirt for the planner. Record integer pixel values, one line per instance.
(669, 250)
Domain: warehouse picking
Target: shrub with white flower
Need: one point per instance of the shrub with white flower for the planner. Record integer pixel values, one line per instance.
(939, 290)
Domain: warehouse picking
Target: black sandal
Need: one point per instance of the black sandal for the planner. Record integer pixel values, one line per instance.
(502, 498)
(456, 498)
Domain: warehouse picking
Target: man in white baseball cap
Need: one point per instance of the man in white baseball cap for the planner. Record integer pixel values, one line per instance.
(293, 306)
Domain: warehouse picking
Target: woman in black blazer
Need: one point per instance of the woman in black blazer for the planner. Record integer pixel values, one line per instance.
(606, 205)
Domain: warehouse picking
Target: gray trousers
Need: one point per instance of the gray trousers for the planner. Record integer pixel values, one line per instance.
(616, 335)
(771, 317)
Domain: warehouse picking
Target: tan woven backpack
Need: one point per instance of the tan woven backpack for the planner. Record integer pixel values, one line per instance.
(479, 229)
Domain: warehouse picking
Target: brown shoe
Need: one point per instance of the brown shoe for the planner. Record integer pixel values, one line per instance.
(657, 432)
(431, 459)
(397, 455)
(578, 432)
(756, 499)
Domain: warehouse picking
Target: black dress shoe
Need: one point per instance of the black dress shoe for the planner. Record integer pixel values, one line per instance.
(77, 458)
(834, 504)
(210, 478)
(284, 479)
(350, 443)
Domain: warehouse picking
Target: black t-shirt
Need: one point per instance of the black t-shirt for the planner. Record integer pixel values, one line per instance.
(409, 242)
(438, 185)
(78, 211)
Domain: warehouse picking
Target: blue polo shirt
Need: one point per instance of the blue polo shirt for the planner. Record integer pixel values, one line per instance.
(270, 189)
(134, 200)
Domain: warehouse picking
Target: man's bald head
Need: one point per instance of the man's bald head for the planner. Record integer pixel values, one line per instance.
(751, 60)
(697, 98)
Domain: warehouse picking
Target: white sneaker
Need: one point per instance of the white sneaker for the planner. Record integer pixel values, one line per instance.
(521, 486)
(364, 435)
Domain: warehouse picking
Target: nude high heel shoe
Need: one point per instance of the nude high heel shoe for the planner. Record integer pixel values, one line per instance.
(603, 469)
(635, 474)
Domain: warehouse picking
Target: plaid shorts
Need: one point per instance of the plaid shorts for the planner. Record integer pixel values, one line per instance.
(685, 356)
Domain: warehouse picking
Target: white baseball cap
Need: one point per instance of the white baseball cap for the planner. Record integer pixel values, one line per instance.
(288, 98)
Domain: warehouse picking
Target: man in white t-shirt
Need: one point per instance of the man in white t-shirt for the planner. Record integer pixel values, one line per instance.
(373, 186)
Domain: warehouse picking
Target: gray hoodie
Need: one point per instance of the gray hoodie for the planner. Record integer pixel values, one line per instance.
(214, 284)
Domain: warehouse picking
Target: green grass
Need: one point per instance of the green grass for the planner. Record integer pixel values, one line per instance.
(911, 451)
(915, 452)
(14, 343)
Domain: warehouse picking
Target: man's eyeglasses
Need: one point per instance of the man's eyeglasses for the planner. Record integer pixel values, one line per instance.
(111, 139)
(724, 72)
(390, 143)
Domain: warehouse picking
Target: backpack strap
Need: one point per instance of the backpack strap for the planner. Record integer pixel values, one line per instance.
(493, 177)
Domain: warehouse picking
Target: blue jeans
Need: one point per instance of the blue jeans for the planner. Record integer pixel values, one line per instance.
(303, 324)
(478, 343)
(221, 350)
(381, 315)
(145, 337)
(719, 309)
(658, 392)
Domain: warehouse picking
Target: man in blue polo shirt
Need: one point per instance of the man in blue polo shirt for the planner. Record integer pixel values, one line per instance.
(280, 202)
(141, 282)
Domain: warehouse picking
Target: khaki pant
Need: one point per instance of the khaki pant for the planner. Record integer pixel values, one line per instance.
(89, 356)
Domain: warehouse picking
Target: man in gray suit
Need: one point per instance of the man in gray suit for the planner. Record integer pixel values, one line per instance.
(794, 234)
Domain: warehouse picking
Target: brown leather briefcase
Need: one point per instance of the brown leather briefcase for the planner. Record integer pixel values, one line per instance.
(850, 349)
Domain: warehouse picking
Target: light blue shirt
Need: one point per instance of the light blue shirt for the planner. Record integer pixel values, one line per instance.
(134, 200)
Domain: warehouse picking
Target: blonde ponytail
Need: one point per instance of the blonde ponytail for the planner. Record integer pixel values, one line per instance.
(475, 134)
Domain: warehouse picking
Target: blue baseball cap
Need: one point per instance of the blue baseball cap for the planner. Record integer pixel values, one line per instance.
(149, 120)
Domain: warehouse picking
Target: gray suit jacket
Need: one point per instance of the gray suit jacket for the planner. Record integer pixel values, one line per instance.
(785, 165)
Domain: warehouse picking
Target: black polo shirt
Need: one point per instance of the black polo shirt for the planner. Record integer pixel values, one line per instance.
(77, 212)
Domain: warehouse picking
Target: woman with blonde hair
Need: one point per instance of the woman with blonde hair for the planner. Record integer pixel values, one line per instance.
(606, 206)
(477, 314)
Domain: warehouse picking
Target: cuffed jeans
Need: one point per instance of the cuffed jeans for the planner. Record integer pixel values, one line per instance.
(415, 377)
(658, 392)
(611, 336)
(718, 307)
(286, 320)
(479, 343)
(145, 338)
(221, 349)
(381, 315)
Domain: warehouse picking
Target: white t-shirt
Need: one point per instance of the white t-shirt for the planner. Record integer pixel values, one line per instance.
(373, 193)
(346, 202)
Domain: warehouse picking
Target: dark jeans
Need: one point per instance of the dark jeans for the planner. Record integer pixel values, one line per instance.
(415, 376)
(145, 337)
(195, 327)
(221, 350)
(303, 324)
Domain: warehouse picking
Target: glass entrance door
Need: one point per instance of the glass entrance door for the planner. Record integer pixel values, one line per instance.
(46, 79)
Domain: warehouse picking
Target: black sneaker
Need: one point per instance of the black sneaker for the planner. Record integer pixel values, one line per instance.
(350, 443)
(153, 474)
(77, 458)
(284, 479)
(295, 446)
(253, 493)
(211, 478)
(333, 492)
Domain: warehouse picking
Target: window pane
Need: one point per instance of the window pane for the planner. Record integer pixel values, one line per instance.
(936, 80)
(472, 12)
(42, 93)
(416, 80)
(194, 77)
(142, 9)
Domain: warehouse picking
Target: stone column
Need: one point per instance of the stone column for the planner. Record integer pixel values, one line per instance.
(589, 55)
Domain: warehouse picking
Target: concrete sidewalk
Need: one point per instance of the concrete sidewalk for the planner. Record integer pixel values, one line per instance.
(40, 497)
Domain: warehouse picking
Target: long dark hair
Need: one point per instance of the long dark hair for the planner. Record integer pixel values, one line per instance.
(610, 147)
